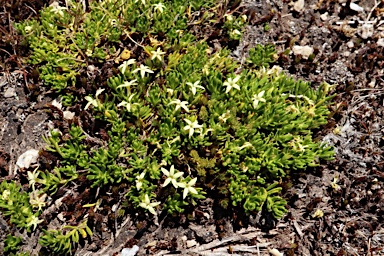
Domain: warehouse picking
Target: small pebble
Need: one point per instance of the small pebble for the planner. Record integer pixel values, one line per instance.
(10, 92)
(191, 243)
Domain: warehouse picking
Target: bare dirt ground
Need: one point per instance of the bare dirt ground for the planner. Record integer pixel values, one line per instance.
(348, 50)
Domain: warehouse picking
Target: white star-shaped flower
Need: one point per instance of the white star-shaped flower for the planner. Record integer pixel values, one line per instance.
(231, 83)
(37, 200)
(139, 180)
(180, 104)
(91, 101)
(33, 178)
(146, 204)
(33, 221)
(172, 176)
(128, 84)
(157, 54)
(192, 126)
(128, 104)
(56, 8)
(188, 187)
(256, 98)
(159, 7)
(143, 69)
(194, 86)
(125, 64)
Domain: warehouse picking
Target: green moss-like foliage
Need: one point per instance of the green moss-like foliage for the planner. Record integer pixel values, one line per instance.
(183, 121)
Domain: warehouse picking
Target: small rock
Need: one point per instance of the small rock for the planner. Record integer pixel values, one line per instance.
(10, 92)
(68, 115)
(151, 244)
(57, 104)
(380, 42)
(355, 7)
(299, 6)
(130, 251)
(191, 243)
(304, 51)
(275, 252)
(366, 30)
(350, 44)
(324, 16)
(27, 158)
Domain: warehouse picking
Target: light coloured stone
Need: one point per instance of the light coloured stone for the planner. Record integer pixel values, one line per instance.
(380, 42)
(27, 158)
(68, 115)
(324, 16)
(298, 6)
(130, 251)
(356, 7)
(10, 92)
(57, 104)
(191, 243)
(304, 51)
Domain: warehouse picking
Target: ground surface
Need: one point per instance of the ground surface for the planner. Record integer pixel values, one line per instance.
(349, 190)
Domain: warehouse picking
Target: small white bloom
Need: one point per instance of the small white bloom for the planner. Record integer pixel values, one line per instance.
(192, 126)
(180, 104)
(128, 104)
(236, 32)
(170, 91)
(99, 91)
(224, 117)
(194, 86)
(56, 8)
(172, 176)
(188, 187)
(159, 7)
(146, 204)
(5, 195)
(91, 101)
(128, 84)
(157, 54)
(143, 69)
(231, 83)
(33, 221)
(256, 98)
(28, 29)
(125, 64)
(229, 17)
(139, 180)
(113, 22)
(36, 199)
(33, 178)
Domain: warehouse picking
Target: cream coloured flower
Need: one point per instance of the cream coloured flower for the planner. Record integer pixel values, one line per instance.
(143, 69)
(171, 176)
(231, 83)
(188, 187)
(146, 204)
(123, 67)
(192, 126)
(180, 104)
(256, 98)
(139, 180)
(157, 54)
(194, 86)
(128, 84)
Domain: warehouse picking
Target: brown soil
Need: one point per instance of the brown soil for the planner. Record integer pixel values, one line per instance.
(353, 209)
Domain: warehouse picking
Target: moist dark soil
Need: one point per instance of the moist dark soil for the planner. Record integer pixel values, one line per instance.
(348, 190)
